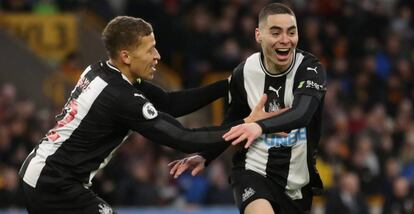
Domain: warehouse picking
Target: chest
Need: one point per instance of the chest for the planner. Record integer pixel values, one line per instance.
(279, 90)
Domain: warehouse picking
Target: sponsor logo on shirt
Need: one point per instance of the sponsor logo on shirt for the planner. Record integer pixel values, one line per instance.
(275, 90)
(149, 111)
(248, 192)
(296, 136)
(312, 69)
(311, 84)
(104, 209)
(139, 95)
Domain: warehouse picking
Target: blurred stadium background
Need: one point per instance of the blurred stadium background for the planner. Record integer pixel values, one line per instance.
(367, 150)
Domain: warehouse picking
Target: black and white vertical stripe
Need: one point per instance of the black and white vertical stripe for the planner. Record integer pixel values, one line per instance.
(288, 165)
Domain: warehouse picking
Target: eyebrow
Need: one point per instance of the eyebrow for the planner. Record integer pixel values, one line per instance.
(279, 28)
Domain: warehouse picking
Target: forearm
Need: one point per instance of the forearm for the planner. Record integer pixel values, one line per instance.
(212, 153)
(167, 131)
(187, 101)
(298, 116)
(179, 103)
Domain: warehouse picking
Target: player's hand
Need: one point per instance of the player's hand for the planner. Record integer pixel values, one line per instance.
(246, 131)
(194, 163)
(258, 113)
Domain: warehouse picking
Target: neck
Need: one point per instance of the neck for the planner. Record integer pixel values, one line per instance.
(275, 69)
(124, 69)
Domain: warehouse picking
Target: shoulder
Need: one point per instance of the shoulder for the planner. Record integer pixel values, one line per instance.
(239, 68)
(253, 62)
(127, 92)
(308, 58)
(133, 101)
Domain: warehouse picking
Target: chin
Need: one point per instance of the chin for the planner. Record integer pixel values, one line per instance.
(151, 77)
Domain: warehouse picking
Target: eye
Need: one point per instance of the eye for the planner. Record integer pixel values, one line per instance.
(275, 33)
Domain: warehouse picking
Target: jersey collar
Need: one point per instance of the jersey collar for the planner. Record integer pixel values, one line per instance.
(116, 69)
(281, 74)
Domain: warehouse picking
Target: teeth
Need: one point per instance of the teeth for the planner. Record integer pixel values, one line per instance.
(282, 49)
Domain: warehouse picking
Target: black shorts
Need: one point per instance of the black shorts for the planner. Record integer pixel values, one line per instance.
(249, 186)
(76, 199)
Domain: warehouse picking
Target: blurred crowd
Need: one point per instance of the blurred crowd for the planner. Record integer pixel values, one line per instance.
(367, 146)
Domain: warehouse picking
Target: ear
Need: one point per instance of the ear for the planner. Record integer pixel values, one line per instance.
(125, 58)
(258, 36)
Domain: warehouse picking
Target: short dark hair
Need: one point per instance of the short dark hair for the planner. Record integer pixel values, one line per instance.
(272, 9)
(123, 32)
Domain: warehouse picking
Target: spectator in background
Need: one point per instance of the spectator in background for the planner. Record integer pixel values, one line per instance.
(392, 171)
(197, 47)
(401, 200)
(10, 192)
(59, 85)
(364, 162)
(138, 189)
(219, 192)
(347, 197)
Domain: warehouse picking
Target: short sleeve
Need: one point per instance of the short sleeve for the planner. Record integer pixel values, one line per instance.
(310, 79)
(133, 107)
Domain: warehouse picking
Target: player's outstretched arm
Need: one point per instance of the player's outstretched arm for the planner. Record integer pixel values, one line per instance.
(166, 130)
(133, 111)
(197, 163)
(301, 113)
(179, 103)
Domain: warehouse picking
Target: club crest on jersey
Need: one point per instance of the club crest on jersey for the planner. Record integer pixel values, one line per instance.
(149, 111)
(274, 106)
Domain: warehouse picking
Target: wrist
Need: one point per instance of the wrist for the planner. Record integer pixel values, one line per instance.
(248, 119)
(260, 127)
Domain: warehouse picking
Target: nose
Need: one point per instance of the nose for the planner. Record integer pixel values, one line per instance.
(284, 39)
(157, 55)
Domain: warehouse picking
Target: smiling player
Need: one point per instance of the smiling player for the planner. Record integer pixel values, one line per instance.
(273, 173)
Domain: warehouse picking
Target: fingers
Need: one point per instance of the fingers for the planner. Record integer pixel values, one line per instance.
(175, 165)
(233, 133)
(249, 142)
(183, 167)
(172, 163)
(239, 139)
(199, 168)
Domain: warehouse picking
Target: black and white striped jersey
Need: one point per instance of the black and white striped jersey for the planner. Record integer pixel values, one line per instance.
(101, 111)
(288, 161)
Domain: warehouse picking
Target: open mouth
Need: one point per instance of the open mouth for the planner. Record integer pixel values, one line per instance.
(282, 51)
(153, 67)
